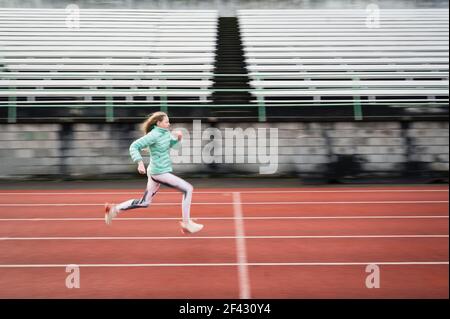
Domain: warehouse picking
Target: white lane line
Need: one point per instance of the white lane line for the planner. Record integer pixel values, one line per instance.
(231, 190)
(393, 263)
(224, 237)
(241, 250)
(228, 203)
(228, 218)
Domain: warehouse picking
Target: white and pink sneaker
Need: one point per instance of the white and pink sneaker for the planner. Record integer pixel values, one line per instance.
(190, 227)
(110, 212)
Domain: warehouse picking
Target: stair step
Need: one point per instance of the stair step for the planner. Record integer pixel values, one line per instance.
(230, 59)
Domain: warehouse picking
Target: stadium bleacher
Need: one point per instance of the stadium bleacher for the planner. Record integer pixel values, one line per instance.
(124, 64)
(321, 57)
(113, 57)
(314, 74)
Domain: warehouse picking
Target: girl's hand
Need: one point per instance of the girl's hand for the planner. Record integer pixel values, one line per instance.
(179, 135)
(141, 168)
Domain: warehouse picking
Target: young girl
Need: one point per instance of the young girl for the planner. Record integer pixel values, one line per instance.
(159, 141)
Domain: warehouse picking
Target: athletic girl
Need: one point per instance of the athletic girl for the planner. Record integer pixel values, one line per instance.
(159, 141)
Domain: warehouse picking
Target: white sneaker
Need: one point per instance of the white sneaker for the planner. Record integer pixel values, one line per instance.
(110, 212)
(190, 227)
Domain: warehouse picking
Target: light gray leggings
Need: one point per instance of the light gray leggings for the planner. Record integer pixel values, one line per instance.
(154, 182)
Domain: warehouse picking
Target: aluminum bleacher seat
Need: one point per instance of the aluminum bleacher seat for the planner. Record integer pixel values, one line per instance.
(143, 56)
(329, 56)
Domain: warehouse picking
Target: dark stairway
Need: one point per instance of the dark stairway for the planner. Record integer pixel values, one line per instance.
(230, 59)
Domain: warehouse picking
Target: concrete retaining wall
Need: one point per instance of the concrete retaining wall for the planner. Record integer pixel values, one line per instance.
(98, 149)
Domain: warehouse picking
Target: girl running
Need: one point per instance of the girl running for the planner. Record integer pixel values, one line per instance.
(159, 141)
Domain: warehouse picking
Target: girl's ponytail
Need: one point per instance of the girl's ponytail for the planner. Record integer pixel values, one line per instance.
(150, 123)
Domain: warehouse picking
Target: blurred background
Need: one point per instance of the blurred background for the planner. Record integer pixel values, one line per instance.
(358, 90)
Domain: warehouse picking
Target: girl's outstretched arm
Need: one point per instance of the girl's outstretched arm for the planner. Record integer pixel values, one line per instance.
(139, 144)
(175, 141)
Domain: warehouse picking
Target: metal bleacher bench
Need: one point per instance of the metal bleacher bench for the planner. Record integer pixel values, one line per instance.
(111, 53)
(329, 56)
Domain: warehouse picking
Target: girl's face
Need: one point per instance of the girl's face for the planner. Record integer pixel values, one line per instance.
(164, 123)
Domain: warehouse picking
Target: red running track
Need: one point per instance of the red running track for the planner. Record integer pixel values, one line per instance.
(257, 243)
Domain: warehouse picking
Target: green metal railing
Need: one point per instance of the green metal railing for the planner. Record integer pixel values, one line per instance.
(164, 104)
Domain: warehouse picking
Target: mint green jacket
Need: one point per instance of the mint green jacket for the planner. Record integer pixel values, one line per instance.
(159, 141)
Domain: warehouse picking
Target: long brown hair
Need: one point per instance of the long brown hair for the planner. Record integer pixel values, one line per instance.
(150, 123)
